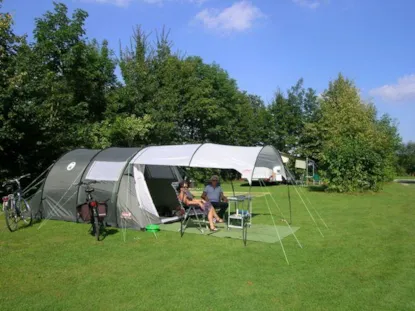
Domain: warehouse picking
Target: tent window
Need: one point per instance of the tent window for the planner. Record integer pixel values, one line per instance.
(160, 172)
(102, 170)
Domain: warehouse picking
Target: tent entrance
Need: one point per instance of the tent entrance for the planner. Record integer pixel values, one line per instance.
(158, 180)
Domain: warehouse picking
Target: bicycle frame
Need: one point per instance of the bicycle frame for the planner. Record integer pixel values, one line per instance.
(96, 219)
(12, 203)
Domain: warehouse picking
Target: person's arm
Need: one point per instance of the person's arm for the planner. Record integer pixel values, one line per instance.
(222, 196)
(181, 196)
(204, 195)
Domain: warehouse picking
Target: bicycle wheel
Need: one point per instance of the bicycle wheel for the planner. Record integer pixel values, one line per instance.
(96, 224)
(11, 216)
(25, 212)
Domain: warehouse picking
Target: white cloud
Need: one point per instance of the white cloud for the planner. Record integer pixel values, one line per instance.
(238, 17)
(403, 90)
(311, 4)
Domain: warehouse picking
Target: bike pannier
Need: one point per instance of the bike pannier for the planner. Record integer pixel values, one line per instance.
(84, 212)
(102, 209)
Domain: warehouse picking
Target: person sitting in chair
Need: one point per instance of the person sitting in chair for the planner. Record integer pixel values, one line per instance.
(213, 193)
(187, 198)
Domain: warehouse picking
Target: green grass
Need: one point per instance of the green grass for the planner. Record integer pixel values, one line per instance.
(364, 262)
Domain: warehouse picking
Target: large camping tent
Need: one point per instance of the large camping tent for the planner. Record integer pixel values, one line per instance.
(137, 181)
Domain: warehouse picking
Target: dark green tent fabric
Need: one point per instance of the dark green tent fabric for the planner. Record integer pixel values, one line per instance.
(108, 189)
(60, 192)
(59, 195)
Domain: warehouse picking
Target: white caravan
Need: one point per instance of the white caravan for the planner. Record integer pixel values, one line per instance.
(266, 174)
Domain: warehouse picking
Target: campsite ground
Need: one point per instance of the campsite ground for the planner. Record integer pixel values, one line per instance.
(364, 262)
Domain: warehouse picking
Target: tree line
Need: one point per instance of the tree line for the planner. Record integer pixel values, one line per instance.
(60, 92)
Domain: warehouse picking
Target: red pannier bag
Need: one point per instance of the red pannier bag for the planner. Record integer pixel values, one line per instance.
(84, 212)
(102, 209)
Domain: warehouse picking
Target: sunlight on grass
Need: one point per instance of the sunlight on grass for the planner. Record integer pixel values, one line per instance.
(364, 262)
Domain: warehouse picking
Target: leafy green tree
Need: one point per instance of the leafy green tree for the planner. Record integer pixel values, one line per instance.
(10, 44)
(356, 151)
(188, 100)
(260, 120)
(58, 85)
(406, 157)
(289, 114)
(387, 142)
(138, 75)
(122, 131)
(279, 131)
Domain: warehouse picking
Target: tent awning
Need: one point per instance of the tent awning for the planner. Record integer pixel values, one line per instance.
(242, 159)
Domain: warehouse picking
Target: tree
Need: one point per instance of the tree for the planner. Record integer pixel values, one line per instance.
(10, 44)
(279, 130)
(260, 120)
(122, 131)
(387, 143)
(406, 158)
(355, 150)
(188, 100)
(289, 114)
(59, 84)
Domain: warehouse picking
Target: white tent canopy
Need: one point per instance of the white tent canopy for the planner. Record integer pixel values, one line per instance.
(242, 159)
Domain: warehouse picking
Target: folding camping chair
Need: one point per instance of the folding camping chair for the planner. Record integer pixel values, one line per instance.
(190, 211)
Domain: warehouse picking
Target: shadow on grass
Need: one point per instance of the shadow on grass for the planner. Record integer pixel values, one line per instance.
(36, 221)
(21, 225)
(109, 231)
(319, 188)
(104, 232)
(405, 181)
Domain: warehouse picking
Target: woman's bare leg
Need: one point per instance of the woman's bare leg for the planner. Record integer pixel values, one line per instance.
(215, 214)
(210, 218)
(194, 202)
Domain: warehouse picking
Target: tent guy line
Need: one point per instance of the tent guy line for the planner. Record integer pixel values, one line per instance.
(285, 220)
(276, 230)
(305, 205)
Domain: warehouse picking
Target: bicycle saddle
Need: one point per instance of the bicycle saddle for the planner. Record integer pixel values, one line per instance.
(89, 190)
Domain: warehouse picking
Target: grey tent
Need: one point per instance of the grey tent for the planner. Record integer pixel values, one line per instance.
(60, 193)
(137, 181)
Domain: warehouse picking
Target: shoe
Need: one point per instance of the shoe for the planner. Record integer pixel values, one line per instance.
(214, 229)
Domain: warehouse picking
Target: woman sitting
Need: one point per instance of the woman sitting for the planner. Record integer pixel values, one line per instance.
(187, 198)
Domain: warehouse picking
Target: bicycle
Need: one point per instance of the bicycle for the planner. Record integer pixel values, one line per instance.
(92, 210)
(15, 207)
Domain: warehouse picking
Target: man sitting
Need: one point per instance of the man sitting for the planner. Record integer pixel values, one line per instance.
(213, 193)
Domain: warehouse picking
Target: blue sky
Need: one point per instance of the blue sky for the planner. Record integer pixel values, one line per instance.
(270, 44)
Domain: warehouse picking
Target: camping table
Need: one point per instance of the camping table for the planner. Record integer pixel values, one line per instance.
(243, 218)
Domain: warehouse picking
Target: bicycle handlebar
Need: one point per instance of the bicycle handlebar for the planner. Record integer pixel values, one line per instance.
(15, 180)
(89, 182)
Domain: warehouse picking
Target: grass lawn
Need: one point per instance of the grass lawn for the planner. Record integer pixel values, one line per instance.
(365, 261)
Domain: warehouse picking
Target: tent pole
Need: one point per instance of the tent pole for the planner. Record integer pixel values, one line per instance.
(288, 190)
(233, 188)
(289, 201)
(34, 186)
(38, 177)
